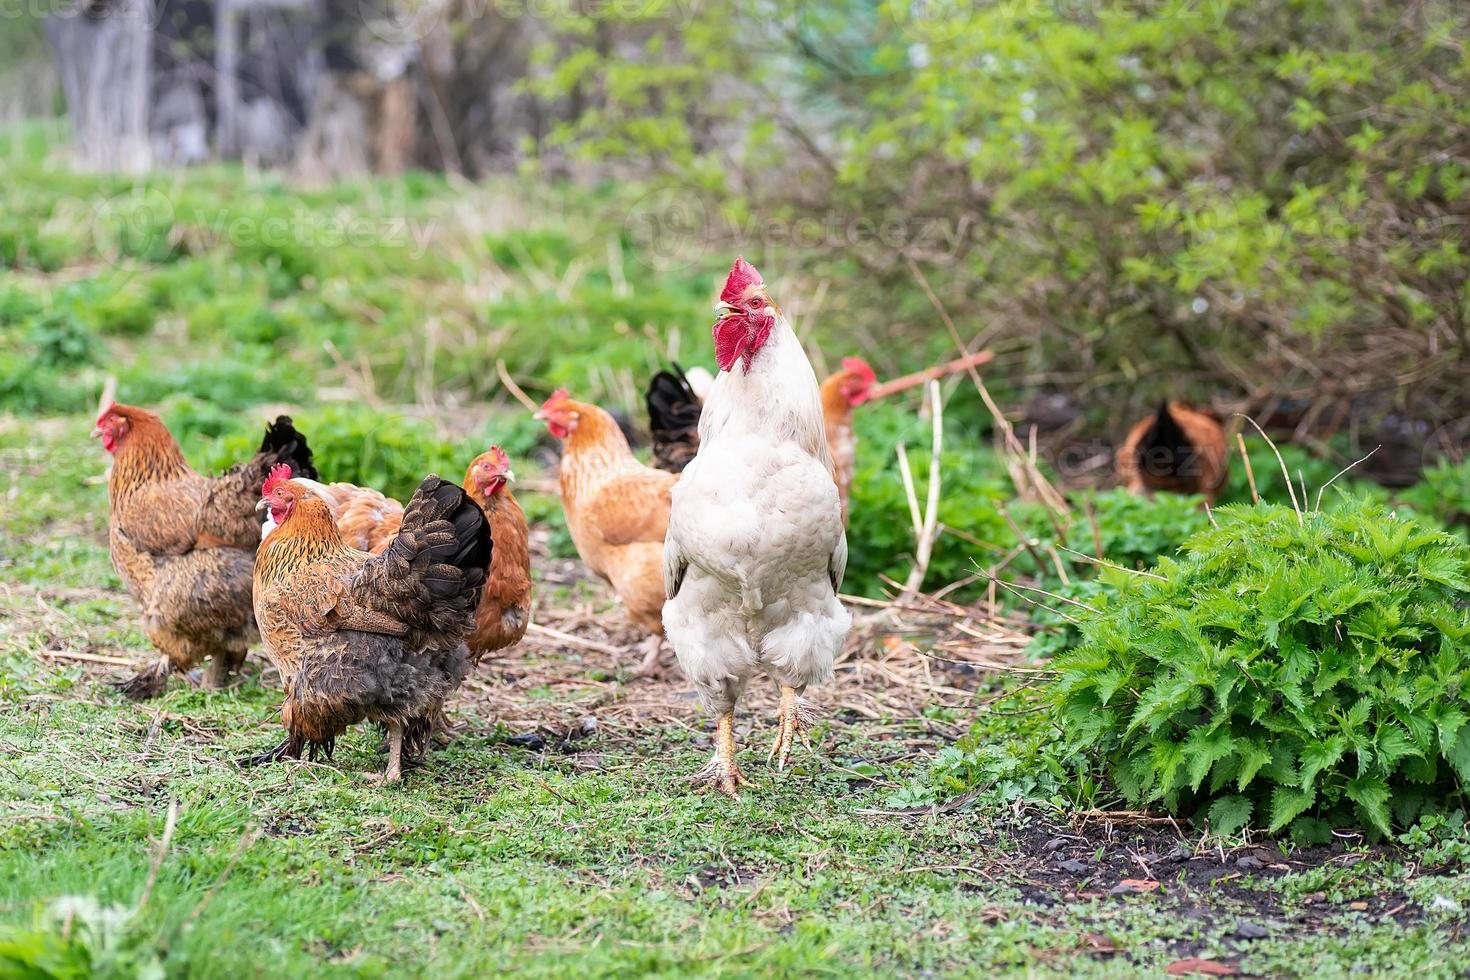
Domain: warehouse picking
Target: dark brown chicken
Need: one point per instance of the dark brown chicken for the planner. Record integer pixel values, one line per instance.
(505, 609)
(1175, 450)
(358, 637)
(184, 544)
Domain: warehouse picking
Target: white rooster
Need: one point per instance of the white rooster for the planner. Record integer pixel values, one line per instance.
(755, 550)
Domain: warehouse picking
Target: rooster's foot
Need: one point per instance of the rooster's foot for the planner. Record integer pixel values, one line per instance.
(793, 719)
(290, 748)
(722, 773)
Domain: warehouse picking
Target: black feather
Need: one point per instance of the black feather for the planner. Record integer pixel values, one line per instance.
(1165, 450)
(673, 419)
(289, 446)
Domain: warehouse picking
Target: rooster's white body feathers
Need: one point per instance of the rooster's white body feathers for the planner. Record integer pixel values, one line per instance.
(756, 550)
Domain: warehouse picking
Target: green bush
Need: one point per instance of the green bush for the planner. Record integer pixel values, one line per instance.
(1443, 494)
(1152, 195)
(1291, 673)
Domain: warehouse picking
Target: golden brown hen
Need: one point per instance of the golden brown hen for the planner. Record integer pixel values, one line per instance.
(358, 637)
(841, 393)
(617, 510)
(185, 544)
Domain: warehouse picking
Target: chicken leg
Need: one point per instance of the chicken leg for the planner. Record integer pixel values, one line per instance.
(649, 666)
(722, 773)
(792, 719)
(222, 666)
(394, 772)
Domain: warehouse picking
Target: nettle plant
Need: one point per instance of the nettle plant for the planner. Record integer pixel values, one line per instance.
(1300, 671)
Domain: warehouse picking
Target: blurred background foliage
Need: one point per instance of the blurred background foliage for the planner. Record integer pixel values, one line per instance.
(1259, 207)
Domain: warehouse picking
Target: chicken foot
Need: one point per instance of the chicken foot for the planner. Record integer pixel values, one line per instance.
(793, 718)
(649, 667)
(148, 682)
(721, 772)
(221, 666)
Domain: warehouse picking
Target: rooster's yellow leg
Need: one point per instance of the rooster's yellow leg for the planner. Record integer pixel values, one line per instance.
(792, 719)
(722, 773)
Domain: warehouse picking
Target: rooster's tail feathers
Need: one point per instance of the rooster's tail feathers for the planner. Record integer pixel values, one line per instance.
(284, 443)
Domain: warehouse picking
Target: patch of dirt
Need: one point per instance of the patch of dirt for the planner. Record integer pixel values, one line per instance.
(1152, 859)
(573, 674)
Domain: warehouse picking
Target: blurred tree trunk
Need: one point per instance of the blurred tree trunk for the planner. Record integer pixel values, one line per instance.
(104, 55)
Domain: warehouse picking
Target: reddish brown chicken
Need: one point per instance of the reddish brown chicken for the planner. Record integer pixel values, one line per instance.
(358, 637)
(184, 544)
(841, 393)
(1174, 450)
(505, 609)
(617, 510)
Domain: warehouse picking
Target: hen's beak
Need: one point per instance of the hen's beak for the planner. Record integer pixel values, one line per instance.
(508, 476)
(263, 504)
(96, 432)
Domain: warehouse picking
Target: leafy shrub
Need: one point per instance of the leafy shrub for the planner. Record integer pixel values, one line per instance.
(1010, 753)
(28, 389)
(1291, 673)
(1443, 494)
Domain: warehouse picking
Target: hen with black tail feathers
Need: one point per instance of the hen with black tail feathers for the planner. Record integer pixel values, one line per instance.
(1176, 449)
(358, 637)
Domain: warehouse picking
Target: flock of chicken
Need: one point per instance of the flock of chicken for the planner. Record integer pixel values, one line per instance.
(374, 611)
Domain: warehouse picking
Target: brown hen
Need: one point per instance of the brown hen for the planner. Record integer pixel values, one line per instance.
(505, 609)
(184, 544)
(1174, 450)
(358, 637)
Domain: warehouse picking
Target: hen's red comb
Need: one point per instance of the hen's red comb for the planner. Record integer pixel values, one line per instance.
(106, 411)
(559, 395)
(280, 473)
(742, 276)
(859, 367)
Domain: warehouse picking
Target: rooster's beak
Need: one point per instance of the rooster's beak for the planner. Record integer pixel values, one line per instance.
(723, 309)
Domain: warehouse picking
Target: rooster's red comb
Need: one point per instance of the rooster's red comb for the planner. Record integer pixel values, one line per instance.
(280, 473)
(742, 276)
